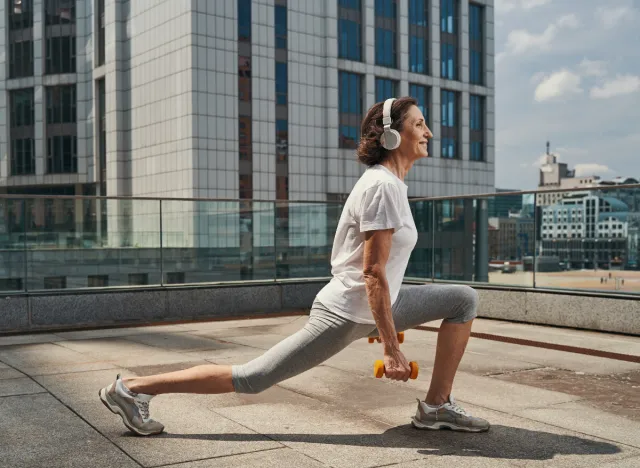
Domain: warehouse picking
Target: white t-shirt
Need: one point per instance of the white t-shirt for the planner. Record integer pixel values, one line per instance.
(378, 201)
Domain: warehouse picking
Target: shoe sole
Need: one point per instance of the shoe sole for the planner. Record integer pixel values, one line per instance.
(436, 426)
(115, 409)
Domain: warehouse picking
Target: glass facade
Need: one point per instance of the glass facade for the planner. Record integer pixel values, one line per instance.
(22, 132)
(280, 17)
(282, 83)
(476, 127)
(101, 49)
(419, 36)
(61, 119)
(350, 29)
(60, 36)
(449, 127)
(385, 89)
(20, 45)
(449, 40)
(244, 20)
(350, 110)
(386, 14)
(476, 44)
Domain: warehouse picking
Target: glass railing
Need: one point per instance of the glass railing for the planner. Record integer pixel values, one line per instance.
(576, 240)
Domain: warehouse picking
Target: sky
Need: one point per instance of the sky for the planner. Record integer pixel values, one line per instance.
(567, 71)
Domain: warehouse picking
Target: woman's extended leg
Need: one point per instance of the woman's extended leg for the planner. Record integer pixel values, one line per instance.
(324, 335)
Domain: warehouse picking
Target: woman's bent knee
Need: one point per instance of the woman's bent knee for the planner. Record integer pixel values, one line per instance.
(467, 299)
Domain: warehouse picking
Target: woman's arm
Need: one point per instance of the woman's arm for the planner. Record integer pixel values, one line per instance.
(377, 246)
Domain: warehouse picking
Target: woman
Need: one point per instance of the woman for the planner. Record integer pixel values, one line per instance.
(372, 245)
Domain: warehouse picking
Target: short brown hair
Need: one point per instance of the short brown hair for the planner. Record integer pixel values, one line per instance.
(370, 150)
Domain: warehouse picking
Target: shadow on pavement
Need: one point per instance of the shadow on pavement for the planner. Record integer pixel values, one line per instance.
(500, 442)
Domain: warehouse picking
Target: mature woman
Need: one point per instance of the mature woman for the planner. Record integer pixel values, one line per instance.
(374, 239)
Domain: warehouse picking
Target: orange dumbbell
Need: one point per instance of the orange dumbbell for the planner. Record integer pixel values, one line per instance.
(378, 369)
(377, 338)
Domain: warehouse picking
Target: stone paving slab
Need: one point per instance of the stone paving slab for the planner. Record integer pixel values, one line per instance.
(48, 358)
(511, 439)
(21, 386)
(325, 433)
(37, 431)
(179, 342)
(12, 340)
(7, 372)
(588, 420)
(276, 458)
(193, 431)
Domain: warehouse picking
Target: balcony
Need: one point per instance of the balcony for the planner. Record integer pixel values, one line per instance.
(143, 286)
(87, 261)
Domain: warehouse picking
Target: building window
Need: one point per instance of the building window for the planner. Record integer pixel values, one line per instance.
(476, 127)
(449, 42)
(421, 94)
(419, 36)
(62, 155)
(61, 104)
(22, 132)
(244, 141)
(350, 96)
(100, 60)
(175, 277)
(55, 282)
(280, 17)
(246, 186)
(97, 281)
(20, 22)
(350, 29)
(60, 34)
(282, 83)
(138, 279)
(449, 128)
(386, 12)
(282, 140)
(102, 136)
(476, 43)
(385, 89)
(244, 20)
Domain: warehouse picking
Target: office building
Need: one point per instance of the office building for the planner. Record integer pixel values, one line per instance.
(246, 99)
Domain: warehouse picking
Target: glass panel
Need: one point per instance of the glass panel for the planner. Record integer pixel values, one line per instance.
(509, 239)
(421, 261)
(589, 240)
(212, 241)
(70, 241)
(454, 239)
(304, 238)
(12, 251)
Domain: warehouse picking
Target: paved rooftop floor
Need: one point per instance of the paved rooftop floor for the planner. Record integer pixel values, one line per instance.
(548, 408)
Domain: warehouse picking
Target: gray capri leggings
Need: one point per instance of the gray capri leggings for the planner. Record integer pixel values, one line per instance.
(326, 334)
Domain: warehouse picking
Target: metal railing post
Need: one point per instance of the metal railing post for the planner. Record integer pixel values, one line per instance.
(161, 249)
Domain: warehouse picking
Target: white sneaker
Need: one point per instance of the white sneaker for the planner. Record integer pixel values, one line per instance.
(449, 415)
(133, 408)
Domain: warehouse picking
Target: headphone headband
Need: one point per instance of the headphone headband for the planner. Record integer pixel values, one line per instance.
(386, 112)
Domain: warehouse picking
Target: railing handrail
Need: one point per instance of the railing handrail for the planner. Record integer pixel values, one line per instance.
(323, 202)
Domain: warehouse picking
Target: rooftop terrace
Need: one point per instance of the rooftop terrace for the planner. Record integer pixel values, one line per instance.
(547, 407)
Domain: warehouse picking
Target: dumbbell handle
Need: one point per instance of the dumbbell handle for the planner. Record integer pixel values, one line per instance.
(379, 370)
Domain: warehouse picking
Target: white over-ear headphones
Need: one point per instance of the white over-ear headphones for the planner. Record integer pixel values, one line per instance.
(390, 138)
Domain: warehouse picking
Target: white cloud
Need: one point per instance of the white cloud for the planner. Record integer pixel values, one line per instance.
(521, 41)
(622, 84)
(505, 6)
(587, 169)
(558, 84)
(593, 67)
(611, 17)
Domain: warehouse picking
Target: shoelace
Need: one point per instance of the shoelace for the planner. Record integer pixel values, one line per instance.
(143, 406)
(458, 409)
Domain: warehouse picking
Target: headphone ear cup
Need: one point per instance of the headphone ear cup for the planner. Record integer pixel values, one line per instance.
(390, 139)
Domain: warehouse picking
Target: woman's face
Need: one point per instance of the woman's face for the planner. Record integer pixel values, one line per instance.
(415, 135)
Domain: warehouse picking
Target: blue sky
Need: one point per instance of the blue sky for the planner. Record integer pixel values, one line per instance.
(567, 71)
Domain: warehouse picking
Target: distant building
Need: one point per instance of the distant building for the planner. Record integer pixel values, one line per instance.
(592, 229)
(511, 238)
(554, 174)
(501, 206)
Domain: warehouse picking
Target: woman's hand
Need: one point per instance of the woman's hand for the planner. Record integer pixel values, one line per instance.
(396, 366)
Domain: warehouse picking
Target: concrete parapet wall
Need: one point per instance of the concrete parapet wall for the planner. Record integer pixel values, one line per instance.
(57, 311)
(589, 312)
